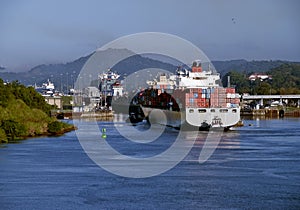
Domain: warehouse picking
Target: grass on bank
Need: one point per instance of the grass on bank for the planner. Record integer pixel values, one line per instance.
(18, 121)
(24, 113)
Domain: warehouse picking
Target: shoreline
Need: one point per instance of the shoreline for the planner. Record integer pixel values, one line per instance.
(271, 113)
(69, 128)
(268, 113)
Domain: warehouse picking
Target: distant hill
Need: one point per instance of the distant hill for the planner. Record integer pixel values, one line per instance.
(57, 73)
(63, 75)
(247, 67)
(285, 80)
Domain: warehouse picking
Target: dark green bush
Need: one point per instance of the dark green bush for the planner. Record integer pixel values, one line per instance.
(55, 127)
(13, 129)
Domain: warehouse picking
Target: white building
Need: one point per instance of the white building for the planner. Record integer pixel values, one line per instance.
(118, 89)
(261, 77)
(54, 100)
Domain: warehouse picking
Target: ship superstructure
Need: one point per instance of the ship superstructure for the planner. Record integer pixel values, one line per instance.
(109, 86)
(196, 94)
(47, 88)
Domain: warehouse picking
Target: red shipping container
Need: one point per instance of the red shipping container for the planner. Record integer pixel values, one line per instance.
(230, 90)
(221, 90)
(200, 105)
(236, 101)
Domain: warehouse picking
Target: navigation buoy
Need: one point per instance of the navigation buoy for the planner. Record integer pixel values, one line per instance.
(103, 130)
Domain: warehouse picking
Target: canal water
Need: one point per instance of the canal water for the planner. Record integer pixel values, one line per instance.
(254, 167)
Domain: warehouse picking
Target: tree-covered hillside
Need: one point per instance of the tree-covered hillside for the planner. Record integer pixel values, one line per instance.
(247, 67)
(64, 75)
(24, 113)
(285, 80)
(11, 91)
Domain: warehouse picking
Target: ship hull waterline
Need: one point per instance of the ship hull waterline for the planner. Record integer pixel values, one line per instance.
(203, 118)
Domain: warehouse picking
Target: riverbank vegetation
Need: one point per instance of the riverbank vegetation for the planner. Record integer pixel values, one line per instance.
(285, 80)
(25, 113)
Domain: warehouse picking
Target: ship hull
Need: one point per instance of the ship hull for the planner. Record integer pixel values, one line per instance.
(203, 118)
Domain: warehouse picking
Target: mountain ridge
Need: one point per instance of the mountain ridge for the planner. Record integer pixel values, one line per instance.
(65, 74)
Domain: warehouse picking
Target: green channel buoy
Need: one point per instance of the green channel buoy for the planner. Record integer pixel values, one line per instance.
(103, 130)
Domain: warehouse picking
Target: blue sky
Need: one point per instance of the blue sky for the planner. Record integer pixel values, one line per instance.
(35, 32)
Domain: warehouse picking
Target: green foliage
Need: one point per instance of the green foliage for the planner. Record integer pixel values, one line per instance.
(22, 113)
(247, 66)
(12, 128)
(285, 80)
(18, 120)
(66, 100)
(3, 137)
(15, 90)
(261, 88)
(54, 127)
(58, 127)
(238, 80)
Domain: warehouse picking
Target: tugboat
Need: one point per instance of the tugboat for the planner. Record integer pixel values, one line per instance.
(191, 96)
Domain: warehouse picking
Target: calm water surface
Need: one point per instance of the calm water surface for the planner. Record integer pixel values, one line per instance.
(254, 167)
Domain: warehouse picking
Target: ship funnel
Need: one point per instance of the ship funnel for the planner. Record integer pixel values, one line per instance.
(196, 66)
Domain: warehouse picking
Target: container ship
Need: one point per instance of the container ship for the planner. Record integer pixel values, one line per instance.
(191, 96)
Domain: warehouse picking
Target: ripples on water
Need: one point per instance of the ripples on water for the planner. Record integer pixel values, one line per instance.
(255, 166)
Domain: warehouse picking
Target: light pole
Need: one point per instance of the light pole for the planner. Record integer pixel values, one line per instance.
(67, 82)
(61, 89)
(72, 80)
